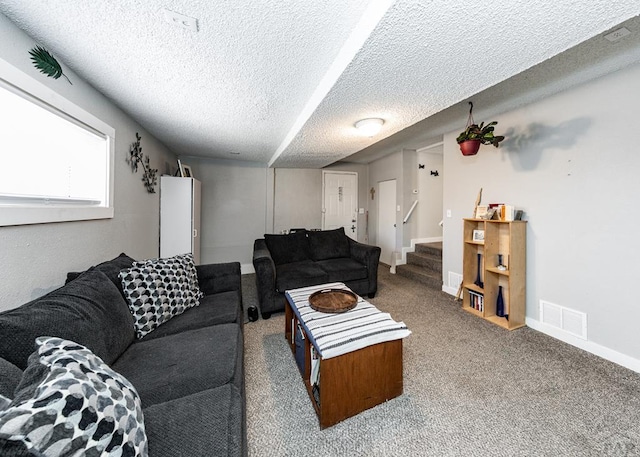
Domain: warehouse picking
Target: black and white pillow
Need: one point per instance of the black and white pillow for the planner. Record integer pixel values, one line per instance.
(70, 403)
(159, 289)
(4, 402)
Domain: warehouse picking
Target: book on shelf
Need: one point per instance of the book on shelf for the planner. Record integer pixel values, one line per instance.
(476, 301)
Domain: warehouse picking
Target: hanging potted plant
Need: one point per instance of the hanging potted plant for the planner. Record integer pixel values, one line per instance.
(474, 135)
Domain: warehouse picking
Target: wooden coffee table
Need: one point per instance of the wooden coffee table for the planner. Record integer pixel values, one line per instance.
(348, 383)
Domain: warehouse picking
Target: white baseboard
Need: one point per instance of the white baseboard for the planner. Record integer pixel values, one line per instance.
(449, 290)
(586, 345)
(247, 268)
(412, 248)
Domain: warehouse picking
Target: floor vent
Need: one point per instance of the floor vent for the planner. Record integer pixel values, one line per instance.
(564, 319)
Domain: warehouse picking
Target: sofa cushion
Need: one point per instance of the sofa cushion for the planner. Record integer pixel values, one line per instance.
(69, 403)
(287, 248)
(111, 268)
(174, 366)
(221, 308)
(328, 244)
(209, 423)
(88, 310)
(10, 376)
(159, 289)
(299, 274)
(341, 270)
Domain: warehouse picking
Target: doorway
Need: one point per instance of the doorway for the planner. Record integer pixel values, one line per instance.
(387, 220)
(340, 202)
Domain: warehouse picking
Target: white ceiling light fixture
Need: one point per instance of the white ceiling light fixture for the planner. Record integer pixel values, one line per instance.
(369, 127)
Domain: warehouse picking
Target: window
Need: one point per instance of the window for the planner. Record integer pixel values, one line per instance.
(56, 160)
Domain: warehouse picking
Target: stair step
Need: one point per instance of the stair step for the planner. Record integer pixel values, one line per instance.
(427, 277)
(428, 261)
(430, 248)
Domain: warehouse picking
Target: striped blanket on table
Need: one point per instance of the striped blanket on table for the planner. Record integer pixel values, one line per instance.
(334, 334)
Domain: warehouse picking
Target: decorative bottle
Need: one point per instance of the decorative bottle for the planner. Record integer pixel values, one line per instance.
(500, 303)
(478, 282)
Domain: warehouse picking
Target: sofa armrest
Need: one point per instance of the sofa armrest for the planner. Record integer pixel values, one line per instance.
(219, 277)
(265, 274)
(369, 256)
(364, 253)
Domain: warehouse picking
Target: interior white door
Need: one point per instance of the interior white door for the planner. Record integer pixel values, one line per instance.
(340, 202)
(387, 219)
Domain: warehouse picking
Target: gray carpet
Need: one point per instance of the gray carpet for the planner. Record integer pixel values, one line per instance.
(470, 389)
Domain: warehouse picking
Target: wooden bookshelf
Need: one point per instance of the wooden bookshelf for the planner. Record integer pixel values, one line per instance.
(507, 238)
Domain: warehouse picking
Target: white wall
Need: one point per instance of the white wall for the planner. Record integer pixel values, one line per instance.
(36, 258)
(571, 162)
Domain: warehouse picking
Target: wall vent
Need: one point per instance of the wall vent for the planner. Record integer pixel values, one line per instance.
(564, 319)
(454, 280)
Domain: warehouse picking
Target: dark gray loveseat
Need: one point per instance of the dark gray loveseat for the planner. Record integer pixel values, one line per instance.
(188, 372)
(307, 258)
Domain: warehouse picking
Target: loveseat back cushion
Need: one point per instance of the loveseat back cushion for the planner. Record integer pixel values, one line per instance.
(89, 310)
(287, 248)
(299, 274)
(10, 376)
(328, 244)
(71, 403)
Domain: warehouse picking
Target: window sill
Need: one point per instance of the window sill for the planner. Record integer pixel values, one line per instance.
(11, 215)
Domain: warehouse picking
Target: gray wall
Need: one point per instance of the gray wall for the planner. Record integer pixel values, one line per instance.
(429, 209)
(298, 199)
(241, 201)
(235, 199)
(568, 163)
(36, 258)
(384, 169)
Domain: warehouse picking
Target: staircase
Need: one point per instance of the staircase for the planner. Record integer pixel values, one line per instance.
(424, 265)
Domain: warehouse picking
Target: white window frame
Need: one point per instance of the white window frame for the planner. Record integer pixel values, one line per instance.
(38, 211)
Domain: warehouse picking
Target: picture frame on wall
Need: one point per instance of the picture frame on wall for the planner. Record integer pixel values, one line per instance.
(186, 171)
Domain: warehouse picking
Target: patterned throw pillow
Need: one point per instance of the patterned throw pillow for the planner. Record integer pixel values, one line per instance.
(4, 402)
(159, 289)
(71, 403)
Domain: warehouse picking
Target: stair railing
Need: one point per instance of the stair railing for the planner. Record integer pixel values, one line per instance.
(406, 218)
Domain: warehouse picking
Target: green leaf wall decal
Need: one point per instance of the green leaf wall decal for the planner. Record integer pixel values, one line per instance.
(46, 63)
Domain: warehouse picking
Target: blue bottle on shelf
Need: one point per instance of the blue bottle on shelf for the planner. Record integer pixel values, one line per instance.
(500, 304)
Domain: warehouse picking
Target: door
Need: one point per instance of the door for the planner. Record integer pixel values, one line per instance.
(387, 220)
(340, 202)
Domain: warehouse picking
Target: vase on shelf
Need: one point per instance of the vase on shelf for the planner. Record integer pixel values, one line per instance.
(478, 282)
(500, 304)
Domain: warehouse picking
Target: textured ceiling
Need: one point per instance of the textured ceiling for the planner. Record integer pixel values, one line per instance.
(283, 82)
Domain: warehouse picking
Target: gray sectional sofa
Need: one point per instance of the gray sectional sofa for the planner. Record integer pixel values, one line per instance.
(188, 372)
(307, 258)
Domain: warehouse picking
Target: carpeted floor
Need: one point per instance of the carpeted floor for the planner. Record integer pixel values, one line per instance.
(470, 389)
